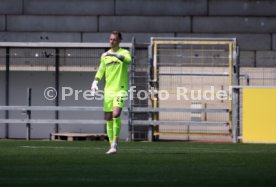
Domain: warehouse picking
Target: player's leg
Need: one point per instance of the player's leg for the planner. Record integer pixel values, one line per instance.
(118, 104)
(109, 126)
(117, 123)
(116, 130)
(108, 106)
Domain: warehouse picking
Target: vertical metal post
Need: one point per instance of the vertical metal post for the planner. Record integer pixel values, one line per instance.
(235, 95)
(28, 113)
(238, 130)
(156, 89)
(235, 102)
(7, 90)
(150, 78)
(131, 99)
(57, 87)
(150, 129)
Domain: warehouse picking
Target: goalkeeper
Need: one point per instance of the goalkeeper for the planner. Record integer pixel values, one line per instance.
(114, 64)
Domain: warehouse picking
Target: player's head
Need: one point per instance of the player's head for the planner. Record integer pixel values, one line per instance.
(115, 39)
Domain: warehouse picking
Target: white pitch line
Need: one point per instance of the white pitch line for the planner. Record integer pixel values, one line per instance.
(184, 149)
(51, 147)
(62, 147)
(83, 179)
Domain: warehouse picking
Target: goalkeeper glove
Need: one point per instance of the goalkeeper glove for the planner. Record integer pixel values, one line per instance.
(94, 87)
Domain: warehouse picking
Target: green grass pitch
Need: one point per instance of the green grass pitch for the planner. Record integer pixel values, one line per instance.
(84, 163)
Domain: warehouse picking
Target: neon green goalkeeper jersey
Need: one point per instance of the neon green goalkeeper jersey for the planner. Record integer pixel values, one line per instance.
(115, 70)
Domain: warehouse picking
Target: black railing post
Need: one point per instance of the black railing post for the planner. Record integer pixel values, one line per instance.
(29, 113)
(57, 88)
(7, 91)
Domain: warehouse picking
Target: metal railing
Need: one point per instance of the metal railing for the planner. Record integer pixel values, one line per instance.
(27, 110)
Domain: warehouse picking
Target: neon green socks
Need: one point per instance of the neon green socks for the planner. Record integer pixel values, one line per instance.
(116, 128)
(109, 130)
(113, 129)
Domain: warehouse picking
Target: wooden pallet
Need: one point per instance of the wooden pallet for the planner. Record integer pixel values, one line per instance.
(77, 136)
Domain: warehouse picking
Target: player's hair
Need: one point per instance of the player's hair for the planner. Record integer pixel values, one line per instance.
(119, 34)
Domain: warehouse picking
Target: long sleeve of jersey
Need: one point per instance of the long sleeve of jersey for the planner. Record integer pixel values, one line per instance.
(101, 70)
(127, 56)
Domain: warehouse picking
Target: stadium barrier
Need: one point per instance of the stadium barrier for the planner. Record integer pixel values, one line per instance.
(28, 121)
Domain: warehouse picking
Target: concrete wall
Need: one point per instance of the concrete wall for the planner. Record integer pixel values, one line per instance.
(252, 22)
(38, 81)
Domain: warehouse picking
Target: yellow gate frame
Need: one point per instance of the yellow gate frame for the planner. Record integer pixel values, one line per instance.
(232, 45)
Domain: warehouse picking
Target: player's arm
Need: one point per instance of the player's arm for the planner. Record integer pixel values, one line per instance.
(98, 77)
(124, 57)
(117, 55)
(127, 57)
(100, 72)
